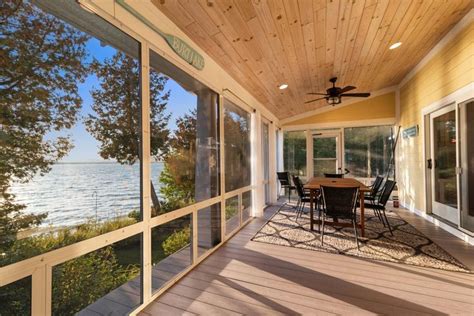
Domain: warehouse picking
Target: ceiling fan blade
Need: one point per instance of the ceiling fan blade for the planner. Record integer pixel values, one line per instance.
(315, 100)
(317, 93)
(347, 88)
(360, 95)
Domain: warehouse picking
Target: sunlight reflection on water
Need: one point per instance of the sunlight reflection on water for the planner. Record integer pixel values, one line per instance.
(74, 193)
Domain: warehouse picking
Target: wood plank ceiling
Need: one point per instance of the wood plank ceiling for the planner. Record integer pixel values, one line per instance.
(264, 43)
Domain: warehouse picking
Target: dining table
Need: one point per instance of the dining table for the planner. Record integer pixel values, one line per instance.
(314, 186)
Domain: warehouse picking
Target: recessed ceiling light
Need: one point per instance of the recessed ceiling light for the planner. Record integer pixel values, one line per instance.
(396, 45)
(283, 86)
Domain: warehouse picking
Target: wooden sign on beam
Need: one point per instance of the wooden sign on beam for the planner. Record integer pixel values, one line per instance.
(180, 47)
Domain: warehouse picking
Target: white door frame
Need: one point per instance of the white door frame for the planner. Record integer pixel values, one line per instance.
(338, 134)
(445, 211)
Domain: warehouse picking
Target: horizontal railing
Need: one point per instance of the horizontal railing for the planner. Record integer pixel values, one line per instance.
(40, 267)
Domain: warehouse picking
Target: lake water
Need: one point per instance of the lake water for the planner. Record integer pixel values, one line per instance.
(74, 193)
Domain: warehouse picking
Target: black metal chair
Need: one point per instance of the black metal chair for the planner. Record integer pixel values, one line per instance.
(284, 178)
(340, 203)
(373, 195)
(374, 189)
(379, 205)
(303, 197)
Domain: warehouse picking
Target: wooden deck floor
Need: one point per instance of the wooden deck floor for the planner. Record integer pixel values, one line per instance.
(245, 277)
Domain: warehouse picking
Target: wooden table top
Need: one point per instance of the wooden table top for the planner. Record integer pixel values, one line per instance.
(316, 182)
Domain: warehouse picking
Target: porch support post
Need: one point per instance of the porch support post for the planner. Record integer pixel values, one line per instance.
(207, 162)
(309, 154)
(272, 168)
(257, 164)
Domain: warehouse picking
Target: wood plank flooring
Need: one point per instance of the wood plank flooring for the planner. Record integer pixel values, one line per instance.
(245, 277)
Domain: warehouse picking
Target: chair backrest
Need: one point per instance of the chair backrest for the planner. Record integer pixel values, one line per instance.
(298, 185)
(386, 191)
(376, 185)
(340, 201)
(284, 178)
(334, 175)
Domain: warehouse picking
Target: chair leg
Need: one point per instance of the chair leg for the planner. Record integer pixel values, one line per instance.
(319, 221)
(377, 212)
(356, 234)
(388, 224)
(322, 232)
(289, 195)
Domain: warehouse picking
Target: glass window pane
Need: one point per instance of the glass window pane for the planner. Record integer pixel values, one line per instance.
(171, 250)
(294, 153)
(232, 214)
(106, 281)
(325, 155)
(71, 134)
(368, 150)
(184, 138)
(209, 228)
(15, 298)
(444, 148)
(237, 147)
(246, 205)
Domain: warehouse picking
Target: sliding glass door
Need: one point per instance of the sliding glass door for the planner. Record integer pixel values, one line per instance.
(466, 137)
(443, 156)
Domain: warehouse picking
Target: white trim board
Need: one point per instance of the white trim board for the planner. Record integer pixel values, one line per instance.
(341, 124)
(453, 231)
(328, 108)
(465, 21)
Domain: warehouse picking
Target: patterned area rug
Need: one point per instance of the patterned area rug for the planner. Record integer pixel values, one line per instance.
(407, 245)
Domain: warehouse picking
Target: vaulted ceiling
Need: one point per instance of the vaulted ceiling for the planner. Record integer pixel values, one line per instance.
(264, 43)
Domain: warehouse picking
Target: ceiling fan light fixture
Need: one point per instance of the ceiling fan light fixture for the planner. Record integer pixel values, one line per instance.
(333, 100)
(396, 45)
(283, 86)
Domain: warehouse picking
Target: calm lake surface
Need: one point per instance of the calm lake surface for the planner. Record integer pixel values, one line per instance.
(74, 193)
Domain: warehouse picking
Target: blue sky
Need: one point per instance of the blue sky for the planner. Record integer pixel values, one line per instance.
(85, 146)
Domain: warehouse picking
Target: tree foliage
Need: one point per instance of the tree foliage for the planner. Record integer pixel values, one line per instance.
(179, 174)
(42, 60)
(176, 241)
(79, 282)
(117, 106)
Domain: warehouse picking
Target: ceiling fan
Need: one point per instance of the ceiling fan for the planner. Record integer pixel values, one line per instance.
(334, 94)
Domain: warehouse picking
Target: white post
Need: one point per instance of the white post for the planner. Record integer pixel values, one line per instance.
(272, 163)
(309, 154)
(256, 160)
(146, 174)
(280, 157)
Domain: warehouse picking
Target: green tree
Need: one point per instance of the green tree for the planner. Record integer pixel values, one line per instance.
(41, 61)
(79, 282)
(179, 174)
(116, 121)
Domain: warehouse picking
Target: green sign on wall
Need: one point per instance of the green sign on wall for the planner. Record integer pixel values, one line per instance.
(410, 131)
(180, 47)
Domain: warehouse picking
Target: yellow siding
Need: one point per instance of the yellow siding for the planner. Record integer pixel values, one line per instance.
(378, 107)
(449, 70)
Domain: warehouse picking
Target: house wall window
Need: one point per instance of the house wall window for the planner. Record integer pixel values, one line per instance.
(237, 147)
(184, 116)
(294, 153)
(368, 150)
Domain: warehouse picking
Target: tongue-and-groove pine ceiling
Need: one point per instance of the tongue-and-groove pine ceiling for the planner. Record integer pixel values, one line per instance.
(264, 43)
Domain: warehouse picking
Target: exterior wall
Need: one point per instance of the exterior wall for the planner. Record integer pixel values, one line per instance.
(378, 107)
(448, 70)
